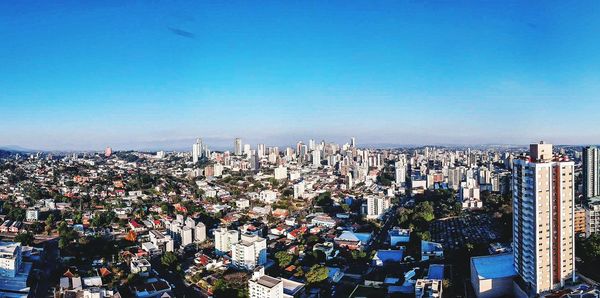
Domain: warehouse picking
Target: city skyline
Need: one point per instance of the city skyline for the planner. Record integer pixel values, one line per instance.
(127, 75)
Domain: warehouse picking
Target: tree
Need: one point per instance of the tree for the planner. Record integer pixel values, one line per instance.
(169, 260)
(324, 199)
(283, 258)
(25, 238)
(317, 274)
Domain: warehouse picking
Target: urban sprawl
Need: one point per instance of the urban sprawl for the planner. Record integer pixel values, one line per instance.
(316, 219)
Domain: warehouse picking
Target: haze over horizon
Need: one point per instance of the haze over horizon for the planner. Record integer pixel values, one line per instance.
(83, 76)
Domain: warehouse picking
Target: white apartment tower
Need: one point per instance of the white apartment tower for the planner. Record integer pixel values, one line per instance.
(200, 232)
(316, 158)
(591, 172)
(377, 205)
(543, 215)
(197, 150)
(237, 146)
(224, 239)
(249, 252)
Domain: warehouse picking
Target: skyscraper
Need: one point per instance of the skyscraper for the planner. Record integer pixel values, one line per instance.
(316, 158)
(352, 142)
(591, 172)
(543, 215)
(197, 150)
(237, 146)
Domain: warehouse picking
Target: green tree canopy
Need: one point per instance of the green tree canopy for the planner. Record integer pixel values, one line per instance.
(316, 274)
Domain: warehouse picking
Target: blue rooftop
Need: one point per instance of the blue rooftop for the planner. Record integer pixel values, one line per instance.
(494, 266)
(436, 271)
(390, 255)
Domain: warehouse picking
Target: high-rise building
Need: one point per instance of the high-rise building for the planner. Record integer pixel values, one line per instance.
(200, 232)
(591, 172)
(400, 172)
(237, 146)
(224, 239)
(107, 152)
(353, 142)
(197, 150)
(543, 215)
(377, 205)
(254, 161)
(249, 252)
(316, 158)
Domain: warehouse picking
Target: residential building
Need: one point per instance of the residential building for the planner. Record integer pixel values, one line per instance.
(200, 232)
(10, 258)
(377, 206)
(591, 172)
(543, 216)
(224, 239)
(237, 146)
(249, 252)
(592, 216)
(469, 194)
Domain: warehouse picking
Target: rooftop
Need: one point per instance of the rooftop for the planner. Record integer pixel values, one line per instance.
(268, 281)
(494, 266)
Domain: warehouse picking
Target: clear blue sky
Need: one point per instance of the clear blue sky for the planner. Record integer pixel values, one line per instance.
(138, 74)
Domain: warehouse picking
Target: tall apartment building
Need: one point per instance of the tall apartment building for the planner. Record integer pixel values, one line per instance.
(469, 194)
(197, 150)
(224, 239)
(200, 233)
(237, 146)
(377, 205)
(591, 172)
(400, 172)
(249, 252)
(543, 215)
(592, 216)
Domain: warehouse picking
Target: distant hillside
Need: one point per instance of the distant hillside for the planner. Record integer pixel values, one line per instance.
(15, 148)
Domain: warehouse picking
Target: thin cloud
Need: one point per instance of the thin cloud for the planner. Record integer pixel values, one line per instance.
(182, 33)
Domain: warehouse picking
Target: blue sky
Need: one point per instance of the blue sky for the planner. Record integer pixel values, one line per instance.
(153, 74)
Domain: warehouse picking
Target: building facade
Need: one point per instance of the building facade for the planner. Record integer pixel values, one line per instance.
(543, 216)
(591, 172)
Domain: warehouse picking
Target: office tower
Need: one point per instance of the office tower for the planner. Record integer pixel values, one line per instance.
(237, 146)
(591, 172)
(197, 150)
(543, 215)
(311, 144)
(352, 142)
(107, 152)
